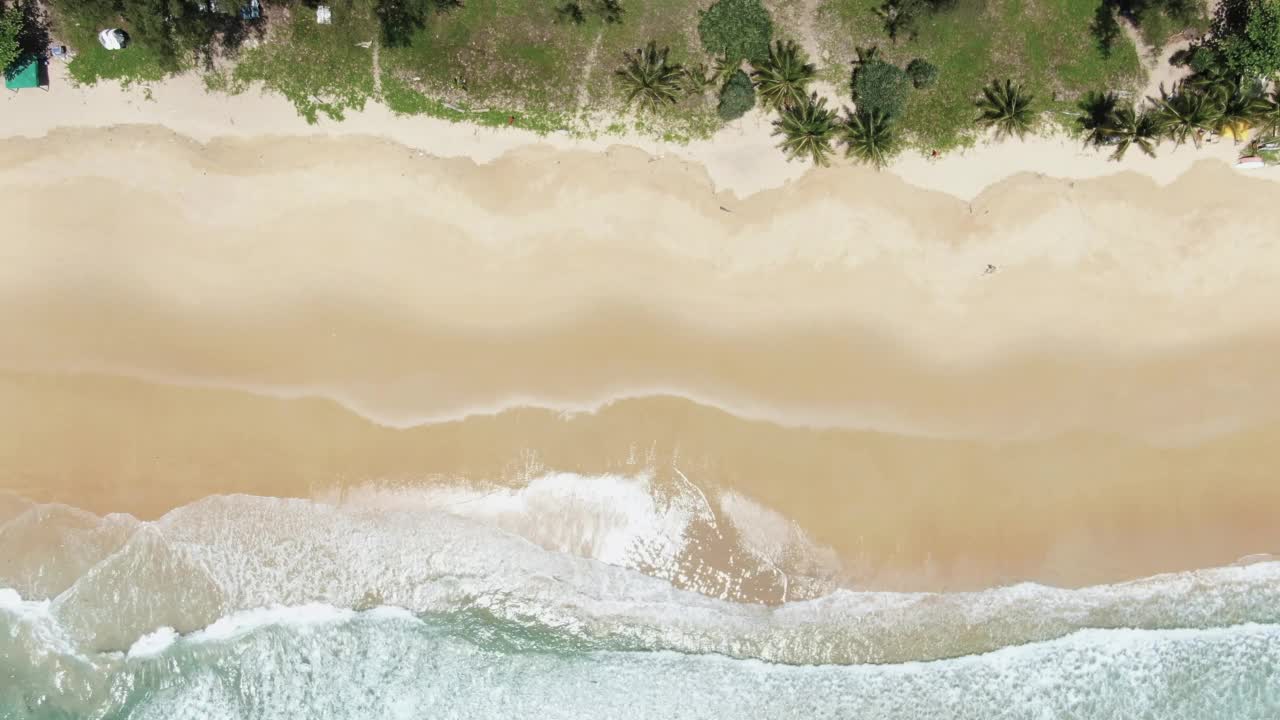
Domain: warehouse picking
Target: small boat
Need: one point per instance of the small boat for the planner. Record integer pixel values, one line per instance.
(1251, 162)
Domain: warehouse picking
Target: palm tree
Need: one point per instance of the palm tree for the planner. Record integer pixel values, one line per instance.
(698, 79)
(806, 130)
(865, 55)
(1096, 114)
(1186, 113)
(725, 67)
(897, 15)
(869, 136)
(1007, 108)
(782, 77)
(1128, 127)
(648, 80)
(1269, 115)
(1240, 105)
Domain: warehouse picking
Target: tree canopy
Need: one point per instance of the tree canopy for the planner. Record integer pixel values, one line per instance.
(1246, 37)
(10, 27)
(736, 97)
(880, 86)
(923, 73)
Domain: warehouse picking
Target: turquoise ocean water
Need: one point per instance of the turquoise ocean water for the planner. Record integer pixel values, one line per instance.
(246, 607)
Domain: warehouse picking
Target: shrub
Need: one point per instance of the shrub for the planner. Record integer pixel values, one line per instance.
(923, 74)
(879, 86)
(1105, 29)
(10, 26)
(1246, 34)
(738, 29)
(736, 97)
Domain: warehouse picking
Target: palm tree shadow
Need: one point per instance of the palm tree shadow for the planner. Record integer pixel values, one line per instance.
(34, 38)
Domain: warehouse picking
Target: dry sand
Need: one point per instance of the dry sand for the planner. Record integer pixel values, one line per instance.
(293, 314)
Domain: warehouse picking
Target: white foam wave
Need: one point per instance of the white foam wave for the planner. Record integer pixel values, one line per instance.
(619, 520)
(297, 617)
(153, 643)
(224, 555)
(228, 554)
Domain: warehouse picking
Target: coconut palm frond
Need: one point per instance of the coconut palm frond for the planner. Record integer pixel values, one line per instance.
(1007, 108)
(806, 130)
(782, 78)
(869, 136)
(649, 80)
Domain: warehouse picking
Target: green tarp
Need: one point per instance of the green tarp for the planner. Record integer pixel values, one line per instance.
(23, 74)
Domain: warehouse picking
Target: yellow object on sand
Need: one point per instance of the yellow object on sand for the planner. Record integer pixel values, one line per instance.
(1235, 131)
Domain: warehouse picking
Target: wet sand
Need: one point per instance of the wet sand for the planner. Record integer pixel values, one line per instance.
(289, 316)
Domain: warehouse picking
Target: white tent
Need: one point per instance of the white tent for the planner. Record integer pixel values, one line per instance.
(112, 39)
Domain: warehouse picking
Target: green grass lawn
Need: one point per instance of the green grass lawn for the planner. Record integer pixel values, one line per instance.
(513, 62)
(134, 64)
(512, 58)
(319, 68)
(137, 63)
(1157, 27)
(1043, 43)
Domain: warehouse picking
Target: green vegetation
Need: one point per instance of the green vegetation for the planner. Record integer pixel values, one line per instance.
(737, 97)
(783, 77)
(699, 79)
(552, 66)
(1208, 101)
(1130, 127)
(737, 29)
(10, 27)
(1157, 20)
(1268, 120)
(1238, 105)
(869, 137)
(321, 69)
(1105, 28)
(807, 130)
(880, 87)
(610, 11)
(1186, 114)
(140, 64)
(648, 80)
(1246, 36)
(1097, 114)
(1006, 107)
(922, 73)
(1048, 45)
(900, 17)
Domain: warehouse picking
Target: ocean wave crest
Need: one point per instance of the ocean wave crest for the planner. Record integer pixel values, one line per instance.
(227, 554)
(325, 661)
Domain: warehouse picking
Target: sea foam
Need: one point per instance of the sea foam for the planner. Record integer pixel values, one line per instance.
(224, 555)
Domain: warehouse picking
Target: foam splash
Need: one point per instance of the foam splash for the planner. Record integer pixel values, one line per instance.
(249, 607)
(247, 621)
(619, 520)
(152, 643)
(226, 555)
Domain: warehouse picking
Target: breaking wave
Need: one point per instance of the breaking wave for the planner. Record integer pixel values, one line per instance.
(392, 605)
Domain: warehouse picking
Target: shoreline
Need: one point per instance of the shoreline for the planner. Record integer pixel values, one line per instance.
(1102, 407)
(860, 510)
(742, 159)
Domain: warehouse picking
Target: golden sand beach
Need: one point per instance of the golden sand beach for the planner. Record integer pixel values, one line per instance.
(1063, 380)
